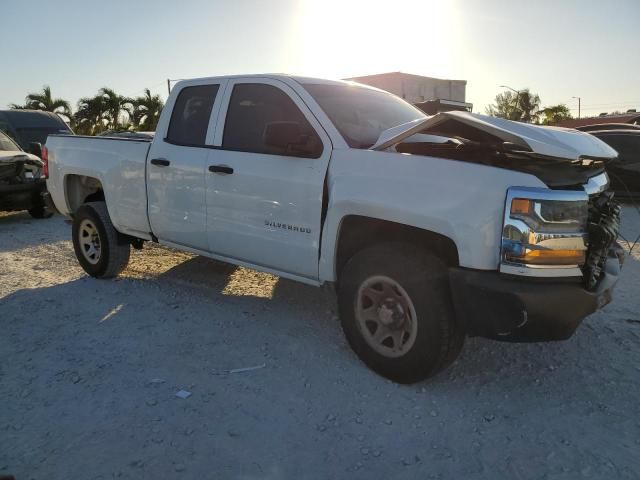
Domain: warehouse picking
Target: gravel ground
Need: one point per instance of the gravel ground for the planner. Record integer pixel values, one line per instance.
(89, 372)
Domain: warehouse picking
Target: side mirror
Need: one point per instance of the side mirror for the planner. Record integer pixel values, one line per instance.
(36, 149)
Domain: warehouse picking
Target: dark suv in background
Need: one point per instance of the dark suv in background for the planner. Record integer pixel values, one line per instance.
(624, 172)
(31, 126)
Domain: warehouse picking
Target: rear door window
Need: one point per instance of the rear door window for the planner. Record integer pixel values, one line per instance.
(190, 116)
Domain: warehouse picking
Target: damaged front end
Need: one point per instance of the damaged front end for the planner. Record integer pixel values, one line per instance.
(560, 233)
(565, 230)
(559, 157)
(21, 182)
(559, 260)
(603, 229)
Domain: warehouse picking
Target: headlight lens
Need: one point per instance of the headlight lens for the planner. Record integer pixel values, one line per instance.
(544, 228)
(551, 215)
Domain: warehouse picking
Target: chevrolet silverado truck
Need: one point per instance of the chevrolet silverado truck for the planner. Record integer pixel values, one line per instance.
(430, 228)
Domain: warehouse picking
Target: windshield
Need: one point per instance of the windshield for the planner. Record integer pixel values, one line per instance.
(361, 114)
(7, 145)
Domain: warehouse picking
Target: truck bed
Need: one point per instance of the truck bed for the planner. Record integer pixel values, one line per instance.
(120, 166)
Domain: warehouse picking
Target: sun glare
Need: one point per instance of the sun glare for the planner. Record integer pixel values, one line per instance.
(343, 38)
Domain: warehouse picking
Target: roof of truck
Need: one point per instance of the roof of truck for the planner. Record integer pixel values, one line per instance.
(279, 76)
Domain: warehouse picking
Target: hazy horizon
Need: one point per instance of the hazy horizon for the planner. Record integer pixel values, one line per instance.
(558, 50)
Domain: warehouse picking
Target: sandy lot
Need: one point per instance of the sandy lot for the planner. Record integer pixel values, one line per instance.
(89, 372)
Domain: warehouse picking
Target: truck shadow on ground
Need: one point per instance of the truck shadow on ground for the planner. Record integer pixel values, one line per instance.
(173, 328)
(480, 358)
(298, 307)
(94, 348)
(249, 309)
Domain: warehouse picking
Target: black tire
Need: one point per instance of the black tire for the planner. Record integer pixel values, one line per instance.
(40, 212)
(114, 247)
(439, 337)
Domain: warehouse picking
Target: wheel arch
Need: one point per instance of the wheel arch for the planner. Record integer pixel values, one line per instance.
(357, 232)
(80, 189)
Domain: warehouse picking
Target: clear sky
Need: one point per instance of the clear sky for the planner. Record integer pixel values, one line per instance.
(557, 48)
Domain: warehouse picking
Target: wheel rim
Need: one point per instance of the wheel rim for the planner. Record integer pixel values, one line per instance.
(386, 316)
(89, 240)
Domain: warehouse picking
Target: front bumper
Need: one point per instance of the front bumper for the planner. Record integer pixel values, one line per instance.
(518, 309)
(22, 196)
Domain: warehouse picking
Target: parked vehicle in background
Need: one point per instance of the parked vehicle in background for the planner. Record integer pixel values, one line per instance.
(608, 126)
(22, 180)
(430, 228)
(31, 126)
(624, 171)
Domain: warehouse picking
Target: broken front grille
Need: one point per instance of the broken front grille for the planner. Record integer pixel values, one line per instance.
(603, 227)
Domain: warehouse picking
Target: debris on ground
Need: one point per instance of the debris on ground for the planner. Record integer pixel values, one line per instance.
(183, 394)
(241, 370)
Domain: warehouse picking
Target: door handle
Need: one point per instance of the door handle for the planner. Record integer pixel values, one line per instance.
(160, 162)
(223, 169)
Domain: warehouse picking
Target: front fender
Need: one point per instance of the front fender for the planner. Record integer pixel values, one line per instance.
(461, 201)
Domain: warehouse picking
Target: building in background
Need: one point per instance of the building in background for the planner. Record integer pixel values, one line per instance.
(416, 89)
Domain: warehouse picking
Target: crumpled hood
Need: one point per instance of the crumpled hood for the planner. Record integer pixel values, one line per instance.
(10, 156)
(30, 162)
(547, 141)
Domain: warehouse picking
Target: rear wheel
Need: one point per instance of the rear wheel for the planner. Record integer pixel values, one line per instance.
(101, 250)
(396, 312)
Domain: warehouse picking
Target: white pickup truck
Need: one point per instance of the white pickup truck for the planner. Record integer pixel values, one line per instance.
(431, 228)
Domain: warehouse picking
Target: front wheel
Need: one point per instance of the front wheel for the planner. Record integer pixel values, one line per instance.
(396, 312)
(101, 250)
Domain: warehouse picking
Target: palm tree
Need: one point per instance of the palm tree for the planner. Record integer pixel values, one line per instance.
(522, 106)
(529, 106)
(555, 113)
(114, 104)
(45, 101)
(147, 111)
(92, 115)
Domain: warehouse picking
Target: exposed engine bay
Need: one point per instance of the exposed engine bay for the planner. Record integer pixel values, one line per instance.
(561, 158)
(603, 227)
(552, 171)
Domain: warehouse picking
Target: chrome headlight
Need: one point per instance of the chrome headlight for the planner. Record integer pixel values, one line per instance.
(544, 232)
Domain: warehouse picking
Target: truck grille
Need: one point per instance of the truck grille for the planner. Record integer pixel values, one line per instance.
(603, 227)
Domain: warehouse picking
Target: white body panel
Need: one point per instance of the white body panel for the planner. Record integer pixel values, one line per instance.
(462, 201)
(268, 212)
(118, 164)
(177, 192)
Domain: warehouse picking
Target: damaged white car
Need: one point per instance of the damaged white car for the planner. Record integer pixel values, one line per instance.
(432, 229)
(22, 180)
